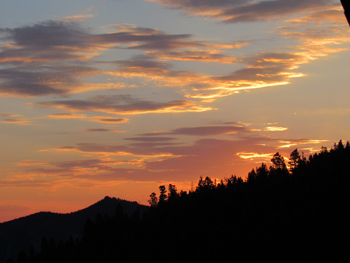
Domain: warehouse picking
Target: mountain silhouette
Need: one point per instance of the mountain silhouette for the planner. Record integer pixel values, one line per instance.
(20, 233)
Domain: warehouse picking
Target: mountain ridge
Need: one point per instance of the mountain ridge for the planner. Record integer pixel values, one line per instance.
(19, 233)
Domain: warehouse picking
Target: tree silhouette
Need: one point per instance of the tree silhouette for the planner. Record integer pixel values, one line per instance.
(251, 177)
(153, 201)
(271, 216)
(295, 159)
(278, 162)
(172, 192)
(262, 173)
(162, 196)
(205, 185)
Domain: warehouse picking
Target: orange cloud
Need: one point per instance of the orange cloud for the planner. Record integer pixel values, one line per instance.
(154, 157)
(274, 128)
(30, 163)
(244, 10)
(333, 13)
(262, 157)
(191, 55)
(15, 121)
(4, 114)
(202, 131)
(67, 116)
(102, 119)
(79, 16)
(296, 142)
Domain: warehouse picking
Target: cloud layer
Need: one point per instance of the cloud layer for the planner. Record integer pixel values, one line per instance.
(124, 105)
(233, 11)
(93, 105)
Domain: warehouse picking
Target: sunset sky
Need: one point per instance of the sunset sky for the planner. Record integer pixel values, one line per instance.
(117, 97)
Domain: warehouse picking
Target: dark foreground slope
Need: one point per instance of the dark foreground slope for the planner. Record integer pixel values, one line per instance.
(20, 233)
(287, 215)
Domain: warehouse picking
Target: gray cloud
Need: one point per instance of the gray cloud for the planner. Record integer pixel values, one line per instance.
(144, 63)
(32, 62)
(48, 34)
(94, 147)
(233, 11)
(68, 36)
(14, 121)
(4, 114)
(266, 67)
(110, 120)
(101, 130)
(12, 118)
(203, 4)
(266, 10)
(28, 89)
(123, 104)
(145, 67)
(150, 139)
(179, 161)
(202, 131)
(42, 80)
(191, 55)
(168, 162)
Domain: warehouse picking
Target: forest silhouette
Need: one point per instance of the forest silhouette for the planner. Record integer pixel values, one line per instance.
(291, 212)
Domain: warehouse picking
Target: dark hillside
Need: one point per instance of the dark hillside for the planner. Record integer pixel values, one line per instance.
(17, 234)
(294, 214)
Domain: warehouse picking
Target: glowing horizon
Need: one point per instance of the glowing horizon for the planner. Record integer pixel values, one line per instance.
(117, 97)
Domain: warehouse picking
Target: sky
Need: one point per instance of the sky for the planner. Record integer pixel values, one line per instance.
(117, 97)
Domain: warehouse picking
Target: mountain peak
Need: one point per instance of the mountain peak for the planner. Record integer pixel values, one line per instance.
(17, 234)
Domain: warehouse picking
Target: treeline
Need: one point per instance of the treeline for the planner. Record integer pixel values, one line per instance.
(295, 211)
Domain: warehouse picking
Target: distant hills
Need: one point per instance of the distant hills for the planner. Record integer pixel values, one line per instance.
(294, 213)
(27, 231)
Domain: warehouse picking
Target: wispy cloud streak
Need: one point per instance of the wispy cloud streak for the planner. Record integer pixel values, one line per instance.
(233, 11)
(124, 105)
